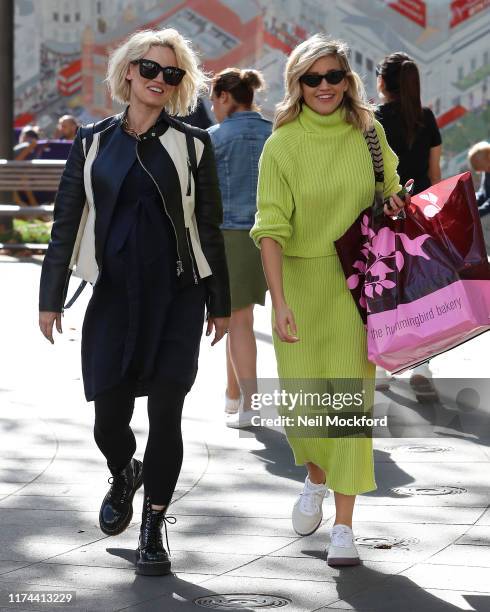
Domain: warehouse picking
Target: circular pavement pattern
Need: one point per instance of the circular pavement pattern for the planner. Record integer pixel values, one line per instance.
(385, 542)
(419, 448)
(443, 490)
(241, 600)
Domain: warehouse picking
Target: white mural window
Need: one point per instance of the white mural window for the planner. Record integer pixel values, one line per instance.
(56, 17)
(358, 58)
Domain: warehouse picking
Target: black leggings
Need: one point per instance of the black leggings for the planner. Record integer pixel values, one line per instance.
(164, 449)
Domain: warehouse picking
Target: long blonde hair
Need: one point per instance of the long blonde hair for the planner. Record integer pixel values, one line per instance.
(358, 111)
(184, 98)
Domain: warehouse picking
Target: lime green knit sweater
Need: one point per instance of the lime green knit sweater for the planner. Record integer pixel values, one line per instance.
(315, 177)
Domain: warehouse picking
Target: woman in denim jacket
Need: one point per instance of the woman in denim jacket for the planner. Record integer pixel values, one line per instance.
(238, 140)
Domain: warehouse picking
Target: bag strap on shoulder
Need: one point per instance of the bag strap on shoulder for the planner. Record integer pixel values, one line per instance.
(372, 141)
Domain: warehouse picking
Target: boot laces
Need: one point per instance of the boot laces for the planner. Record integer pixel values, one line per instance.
(119, 488)
(153, 535)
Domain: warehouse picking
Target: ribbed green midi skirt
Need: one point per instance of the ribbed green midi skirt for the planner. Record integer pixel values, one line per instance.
(332, 346)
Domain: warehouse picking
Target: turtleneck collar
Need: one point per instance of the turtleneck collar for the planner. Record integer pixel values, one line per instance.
(314, 122)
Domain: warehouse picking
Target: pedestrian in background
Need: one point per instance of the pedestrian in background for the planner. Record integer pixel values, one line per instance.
(479, 160)
(238, 140)
(28, 141)
(28, 148)
(316, 176)
(156, 257)
(411, 129)
(412, 132)
(67, 128)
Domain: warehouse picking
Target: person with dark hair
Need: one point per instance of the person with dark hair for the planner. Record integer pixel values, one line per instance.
(198, 117)
(28, 139)
(238, 140)
(412, 133)
(411, 129)
(28, 148)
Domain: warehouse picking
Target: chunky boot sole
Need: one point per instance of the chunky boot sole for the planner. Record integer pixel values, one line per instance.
(127, 519)
(149, 568)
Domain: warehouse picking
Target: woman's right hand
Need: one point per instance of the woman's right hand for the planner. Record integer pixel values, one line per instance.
(284, 324)
(46, 321)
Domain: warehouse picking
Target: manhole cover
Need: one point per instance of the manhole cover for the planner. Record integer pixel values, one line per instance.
(385, 542)
(241, 600)
(447, 490)
(419, 448)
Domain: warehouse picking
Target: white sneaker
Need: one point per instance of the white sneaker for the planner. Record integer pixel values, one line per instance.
(422, 385)
(241, 419)
(308, 511)
(383, 379)
(232, 406)
(342, 550)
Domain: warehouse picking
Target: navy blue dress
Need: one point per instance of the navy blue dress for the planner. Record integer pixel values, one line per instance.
(139, 325)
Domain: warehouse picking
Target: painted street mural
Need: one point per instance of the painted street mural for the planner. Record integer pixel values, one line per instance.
(61, 49)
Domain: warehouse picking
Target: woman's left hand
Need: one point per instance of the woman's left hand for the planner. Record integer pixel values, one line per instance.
(396, 203)
(221, 326)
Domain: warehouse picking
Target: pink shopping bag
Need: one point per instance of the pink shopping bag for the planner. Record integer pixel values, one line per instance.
(422, 283)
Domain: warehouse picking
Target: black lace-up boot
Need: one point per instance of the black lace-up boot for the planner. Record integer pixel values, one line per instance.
(116, 511)
(151, 557)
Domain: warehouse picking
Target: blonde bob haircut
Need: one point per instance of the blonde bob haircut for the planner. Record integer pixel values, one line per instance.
(184, 98)
(358, 111)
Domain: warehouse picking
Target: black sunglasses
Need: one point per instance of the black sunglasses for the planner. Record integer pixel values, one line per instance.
(150, 69)
(332, 76)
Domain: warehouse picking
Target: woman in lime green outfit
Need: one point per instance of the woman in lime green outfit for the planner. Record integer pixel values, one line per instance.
(316, 176)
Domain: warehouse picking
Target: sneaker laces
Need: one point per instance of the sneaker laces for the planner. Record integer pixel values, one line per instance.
(341, 535)
(311, 500)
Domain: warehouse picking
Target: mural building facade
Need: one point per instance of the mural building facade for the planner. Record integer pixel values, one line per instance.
(61, 49)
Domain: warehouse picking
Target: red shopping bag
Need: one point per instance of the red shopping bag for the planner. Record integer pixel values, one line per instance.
(422, 283)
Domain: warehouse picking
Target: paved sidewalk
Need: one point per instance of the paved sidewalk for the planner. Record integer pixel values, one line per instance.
(233, 534)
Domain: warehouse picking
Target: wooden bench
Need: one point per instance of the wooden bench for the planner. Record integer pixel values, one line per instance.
(30, 178)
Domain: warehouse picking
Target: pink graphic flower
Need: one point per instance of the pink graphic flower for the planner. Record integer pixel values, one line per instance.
(378, 251)
(383, 243)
